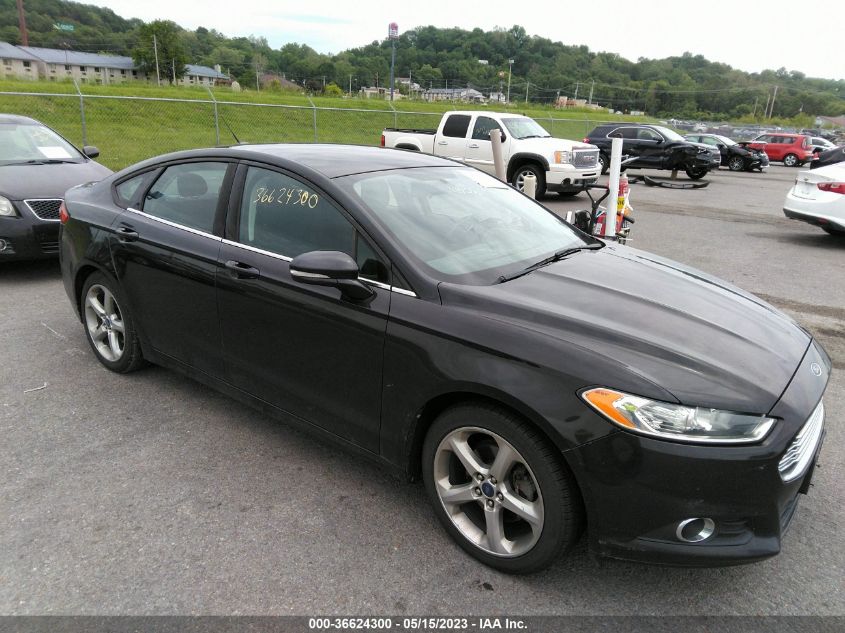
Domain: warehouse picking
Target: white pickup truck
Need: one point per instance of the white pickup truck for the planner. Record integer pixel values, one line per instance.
(558, 165)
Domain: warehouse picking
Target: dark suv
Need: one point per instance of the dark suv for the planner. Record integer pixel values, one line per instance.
(655, 147)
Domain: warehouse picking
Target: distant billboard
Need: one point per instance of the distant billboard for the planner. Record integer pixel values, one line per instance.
(393, 31)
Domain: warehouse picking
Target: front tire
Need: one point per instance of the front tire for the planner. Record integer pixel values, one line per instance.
(604, 161)
(519, 174)
(695, 173)
(109, 326)
(790, 160)
(736, 163)
(500, 489)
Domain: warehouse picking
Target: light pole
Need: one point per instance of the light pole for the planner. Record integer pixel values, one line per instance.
(510, 67)
(393, 35)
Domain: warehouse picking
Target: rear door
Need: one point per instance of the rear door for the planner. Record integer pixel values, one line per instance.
(450, 142)
(165, 255)
(301, 348)
(479, 148)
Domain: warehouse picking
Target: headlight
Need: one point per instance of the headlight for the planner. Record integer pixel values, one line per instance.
(6, 208)
(562, 157)
(677, 422)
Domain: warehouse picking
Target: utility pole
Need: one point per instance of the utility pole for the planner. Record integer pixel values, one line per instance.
(173, 66)
(410, 84)
(592, 85)
(772, 106)
(393, 35)
(766, 109)
(754, 112)
(527, 84)
(22, 24)
(350, 86)
(155, 49)
(577, 85)
(510, 67)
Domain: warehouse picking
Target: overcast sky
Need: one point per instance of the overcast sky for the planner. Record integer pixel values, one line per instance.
(747, 34)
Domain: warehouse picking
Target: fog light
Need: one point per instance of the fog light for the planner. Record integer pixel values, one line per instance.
(695, 530)
(3, 245)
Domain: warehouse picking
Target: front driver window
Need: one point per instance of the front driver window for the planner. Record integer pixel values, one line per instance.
(283, 215)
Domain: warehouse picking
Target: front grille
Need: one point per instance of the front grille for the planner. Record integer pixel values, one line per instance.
(802, 449)
(585, 158)
(45, 209)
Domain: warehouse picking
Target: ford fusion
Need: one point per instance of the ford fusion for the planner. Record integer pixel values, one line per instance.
(539, 381)
(36, 167)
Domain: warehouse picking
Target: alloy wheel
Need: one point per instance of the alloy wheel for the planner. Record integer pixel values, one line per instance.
(104, 322)
(488, 491)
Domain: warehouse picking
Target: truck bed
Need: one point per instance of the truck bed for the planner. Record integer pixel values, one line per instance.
(410, 130)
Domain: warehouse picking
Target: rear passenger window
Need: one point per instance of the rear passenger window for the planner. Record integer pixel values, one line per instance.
(187, 194)
(127, 190)
(456, 126)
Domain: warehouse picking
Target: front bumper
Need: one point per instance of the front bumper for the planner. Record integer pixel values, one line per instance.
(638, 490)
(26, 236)
(569, 178)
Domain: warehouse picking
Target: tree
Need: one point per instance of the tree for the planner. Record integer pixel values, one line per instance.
(163, 36)
(333, 90)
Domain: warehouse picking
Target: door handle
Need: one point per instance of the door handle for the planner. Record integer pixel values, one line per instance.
(473, 146)
(240, 270)
(127, 234)
(443, 142)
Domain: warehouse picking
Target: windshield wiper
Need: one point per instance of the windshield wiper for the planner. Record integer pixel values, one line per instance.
(550, 260)
(41, 161)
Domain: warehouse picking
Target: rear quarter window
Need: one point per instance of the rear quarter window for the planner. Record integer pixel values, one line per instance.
(456, 126)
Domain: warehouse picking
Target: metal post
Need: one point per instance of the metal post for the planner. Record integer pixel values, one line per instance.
(772, 106)
(613, 185)
(592, 85)
(155, 49)
(527, 84)
(392, 62)
(395, 123)
(498, 161)
(314, 112)
(216, 118)
(510, 67)
(81, 112)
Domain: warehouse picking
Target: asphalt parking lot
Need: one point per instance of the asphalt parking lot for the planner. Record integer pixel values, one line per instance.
(151, 494)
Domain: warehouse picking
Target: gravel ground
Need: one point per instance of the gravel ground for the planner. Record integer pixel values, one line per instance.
(151, 494)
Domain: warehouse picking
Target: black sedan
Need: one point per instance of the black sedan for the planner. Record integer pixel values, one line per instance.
(735, 157)
(436, 320)
(829, 157)
(37, 166)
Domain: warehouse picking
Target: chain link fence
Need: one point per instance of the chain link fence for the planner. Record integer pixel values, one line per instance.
(128, 129)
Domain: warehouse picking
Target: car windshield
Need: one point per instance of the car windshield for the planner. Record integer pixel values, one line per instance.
(669, 135)
(726, 140)
(523, 127)
(28, 142)
(460, 224)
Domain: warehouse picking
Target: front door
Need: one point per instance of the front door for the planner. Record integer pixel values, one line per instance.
(301, 348)
(479, 150)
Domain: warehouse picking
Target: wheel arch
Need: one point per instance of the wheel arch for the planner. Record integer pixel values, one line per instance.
(82, 273)
(437, 404)
(408, 146)
(518, 160)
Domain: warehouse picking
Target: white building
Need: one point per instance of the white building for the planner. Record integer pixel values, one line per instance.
(16, 63)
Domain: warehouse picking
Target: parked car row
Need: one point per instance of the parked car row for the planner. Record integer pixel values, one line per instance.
(733, 155)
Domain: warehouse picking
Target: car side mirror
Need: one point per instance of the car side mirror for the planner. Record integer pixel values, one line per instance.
(90, 151)
(330, 268)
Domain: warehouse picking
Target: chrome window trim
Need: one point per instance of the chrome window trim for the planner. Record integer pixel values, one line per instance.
(32, 211)
(285, 258)
(176, 225)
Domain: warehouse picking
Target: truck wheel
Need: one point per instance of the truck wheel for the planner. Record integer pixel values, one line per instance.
(519, 174)
(790, 160)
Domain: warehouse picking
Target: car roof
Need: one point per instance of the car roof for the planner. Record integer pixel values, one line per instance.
(329, 160)
(18, 119)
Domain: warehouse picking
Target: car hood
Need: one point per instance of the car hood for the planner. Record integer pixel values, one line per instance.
(20, 182)
(701, 339)
(547, 146)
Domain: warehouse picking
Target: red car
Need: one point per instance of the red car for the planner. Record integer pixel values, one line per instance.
(792, 149)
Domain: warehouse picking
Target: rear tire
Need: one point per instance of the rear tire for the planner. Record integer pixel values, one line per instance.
(790, 160)
(524, 511)
(604, 161)
(109, 326)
